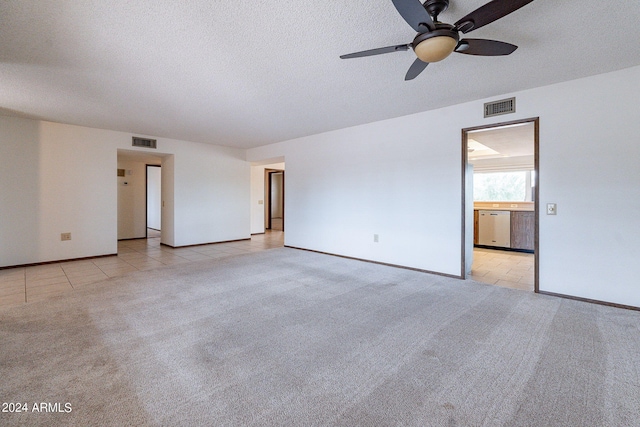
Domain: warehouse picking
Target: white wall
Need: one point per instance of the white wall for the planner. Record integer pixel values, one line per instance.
(20, 178)
(257, 195)
(589, 155)
(64, 181)
(211, 194)
(401, 178)
(60, 178)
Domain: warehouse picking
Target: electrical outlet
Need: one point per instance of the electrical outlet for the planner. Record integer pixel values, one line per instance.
(261, 202)
(375, 238)
(65, 236)
(552, 209)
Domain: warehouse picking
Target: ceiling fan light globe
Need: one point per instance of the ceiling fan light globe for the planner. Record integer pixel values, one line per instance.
(435, 49)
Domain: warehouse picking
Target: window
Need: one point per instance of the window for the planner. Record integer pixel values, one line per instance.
(502, 186)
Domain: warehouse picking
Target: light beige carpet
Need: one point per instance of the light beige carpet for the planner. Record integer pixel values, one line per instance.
(288, 337)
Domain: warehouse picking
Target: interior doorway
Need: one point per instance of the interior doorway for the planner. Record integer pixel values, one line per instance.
(500, 187)
(139, 194)
(154, 200)
(274, 206)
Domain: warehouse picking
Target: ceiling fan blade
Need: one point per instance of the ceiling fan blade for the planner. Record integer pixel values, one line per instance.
(416, 68)
(378, 51)
(488, 13)
(415, 14)
(484, 47)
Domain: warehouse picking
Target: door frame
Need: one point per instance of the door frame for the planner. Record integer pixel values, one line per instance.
(536, 193)
(267, 197)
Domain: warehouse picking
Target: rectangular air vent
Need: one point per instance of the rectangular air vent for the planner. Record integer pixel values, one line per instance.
(120, 172)
(143, 142)
(496, 108)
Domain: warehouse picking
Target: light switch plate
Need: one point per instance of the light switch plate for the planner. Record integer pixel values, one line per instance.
(552, 209)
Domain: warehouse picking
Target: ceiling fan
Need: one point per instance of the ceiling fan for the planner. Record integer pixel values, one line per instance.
(437, 40)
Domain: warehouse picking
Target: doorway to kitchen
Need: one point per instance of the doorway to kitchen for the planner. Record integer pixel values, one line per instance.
(500, 204)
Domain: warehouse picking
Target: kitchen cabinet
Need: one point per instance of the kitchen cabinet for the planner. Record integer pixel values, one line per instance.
(475, 226)
(523, 230)
(520, 235)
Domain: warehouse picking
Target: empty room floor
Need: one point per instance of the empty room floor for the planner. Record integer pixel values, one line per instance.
(28, 284)
(503, 268)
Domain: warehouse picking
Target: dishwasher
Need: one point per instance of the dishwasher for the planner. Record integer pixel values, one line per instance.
(494, 228)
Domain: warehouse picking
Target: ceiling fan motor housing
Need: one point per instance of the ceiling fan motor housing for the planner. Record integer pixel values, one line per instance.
(436, 45)
(436, 7)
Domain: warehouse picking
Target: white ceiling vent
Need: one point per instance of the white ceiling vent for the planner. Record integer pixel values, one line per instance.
(497, 108)
(143, 142)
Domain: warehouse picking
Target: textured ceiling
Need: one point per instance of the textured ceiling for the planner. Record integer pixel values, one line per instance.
(249, 73)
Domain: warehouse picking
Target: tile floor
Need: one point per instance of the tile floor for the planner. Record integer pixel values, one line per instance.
(503, 268)
(27, 284)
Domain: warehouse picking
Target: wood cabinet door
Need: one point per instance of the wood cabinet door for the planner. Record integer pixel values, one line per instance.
(522, 230)
(475, 227)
